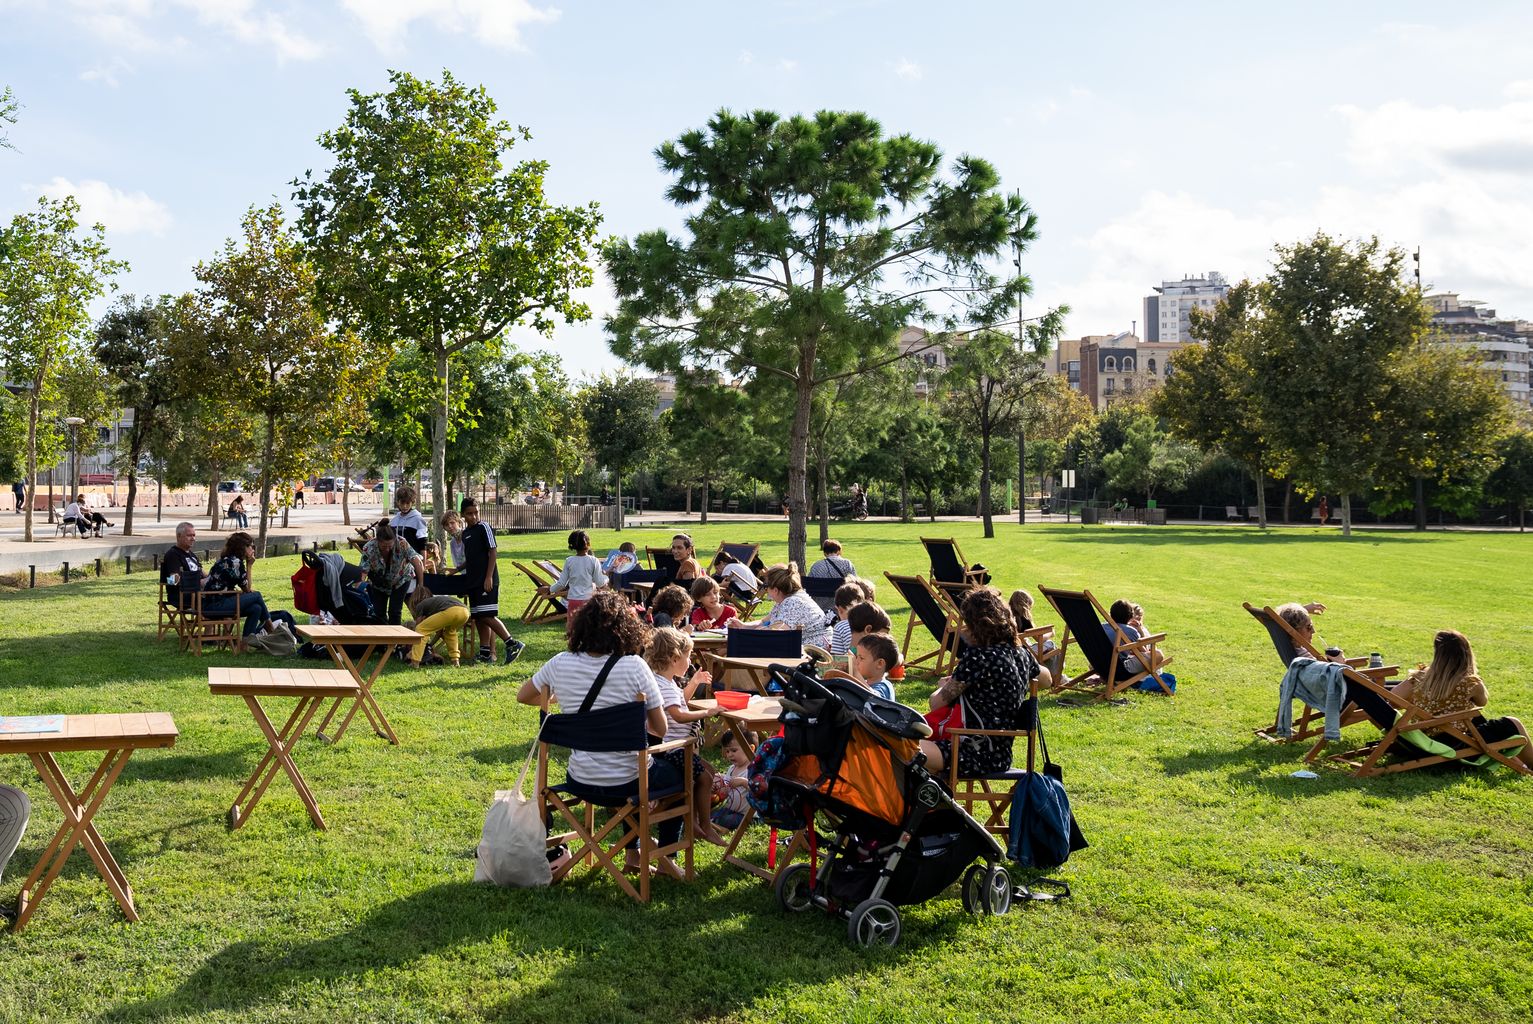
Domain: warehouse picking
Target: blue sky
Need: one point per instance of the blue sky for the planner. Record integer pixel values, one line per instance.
(1152, 139)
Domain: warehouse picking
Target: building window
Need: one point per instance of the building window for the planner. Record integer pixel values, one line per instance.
(931, 359)
(1150, 366)
(1128, 364)
(1110, 364)
(1109, 386)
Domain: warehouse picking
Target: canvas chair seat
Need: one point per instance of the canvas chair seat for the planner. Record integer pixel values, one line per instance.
(1107, 673)
(932, 610)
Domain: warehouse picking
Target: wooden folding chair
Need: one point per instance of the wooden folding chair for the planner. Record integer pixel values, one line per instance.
(929, 607)
(1107, 673)
(1289, 645)
(660, 558)
(542, 607)
(170, 613)
(198, 628)
(618, 729)
(948, 564)
(971, 790)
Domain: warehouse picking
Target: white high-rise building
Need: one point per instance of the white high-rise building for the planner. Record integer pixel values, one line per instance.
(1505, 346)
(1167, 313)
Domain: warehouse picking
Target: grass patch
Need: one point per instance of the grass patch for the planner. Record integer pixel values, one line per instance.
(1217, 887)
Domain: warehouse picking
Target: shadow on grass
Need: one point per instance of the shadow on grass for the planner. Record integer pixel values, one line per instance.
(1205, 536)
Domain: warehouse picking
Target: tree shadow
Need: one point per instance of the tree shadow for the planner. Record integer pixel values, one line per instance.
(1209, 536)
(164, 767)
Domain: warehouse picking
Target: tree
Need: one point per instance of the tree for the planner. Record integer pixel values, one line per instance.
(620, 425)
(8, 106)
(272, 354)
(133, 343)
(1512, 479)
(1149, 459)
(50, 272)
(421, 234)
(810, 243)
(553, 443)
(1335, 322)
(706, 428)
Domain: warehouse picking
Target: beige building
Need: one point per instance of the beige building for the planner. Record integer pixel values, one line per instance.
(1109, 368)
(1505, 346)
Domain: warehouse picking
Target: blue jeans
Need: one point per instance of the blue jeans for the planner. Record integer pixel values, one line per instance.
(251, 606)
(663, 775)
(240, 519)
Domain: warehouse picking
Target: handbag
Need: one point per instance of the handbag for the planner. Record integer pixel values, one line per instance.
(943, 719)
(306, 590)
(512, 846)
(1043, 828)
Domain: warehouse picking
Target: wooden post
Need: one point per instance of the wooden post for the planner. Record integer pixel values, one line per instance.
(127, 565)
(32, 577)
(66, 572)
(98, 568)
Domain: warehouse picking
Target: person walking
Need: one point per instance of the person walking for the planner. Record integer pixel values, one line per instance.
(19, 489)
(298, 495)
(1324, 510)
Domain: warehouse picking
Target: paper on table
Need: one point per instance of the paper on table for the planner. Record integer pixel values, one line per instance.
(31, 723)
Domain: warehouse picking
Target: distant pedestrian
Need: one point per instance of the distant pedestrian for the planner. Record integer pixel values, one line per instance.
(298, 495)
(1325, 510)
(19, 489)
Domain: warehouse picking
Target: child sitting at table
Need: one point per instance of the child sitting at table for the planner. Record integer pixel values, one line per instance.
(872, 658)
(432, 557)
(669, 656)
(709, 609)
(671, 607)
(730, 787)
(848, 595)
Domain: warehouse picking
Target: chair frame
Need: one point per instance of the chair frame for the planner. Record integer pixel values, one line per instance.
(946, 655)
(750, 560)
(970, 790)
(1145, 649)
(169, 617)
(595, 844)
(542, 607)
(971, 577)
(196, 629)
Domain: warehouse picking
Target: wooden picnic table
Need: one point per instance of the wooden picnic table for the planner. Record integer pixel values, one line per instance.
(755, 671)
(759, 716)
(312, 687)
(374, 639)
(117, 736)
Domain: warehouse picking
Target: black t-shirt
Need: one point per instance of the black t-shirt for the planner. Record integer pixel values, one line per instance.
(185, 564)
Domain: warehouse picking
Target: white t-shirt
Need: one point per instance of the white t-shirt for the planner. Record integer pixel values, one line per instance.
(412, 520)
(72, 510)
(670, 697)
(568, 676)
(581, 576)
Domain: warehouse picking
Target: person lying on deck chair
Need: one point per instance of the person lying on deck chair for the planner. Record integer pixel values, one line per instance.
(1298, 618)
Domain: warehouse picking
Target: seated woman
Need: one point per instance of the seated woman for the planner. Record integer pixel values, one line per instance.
(688, 568)
(730, 572)
(236, 512)
(232, 572)
(1378, 710)
(992, 678)
(1452, 684)
(792, 608)
(605, 630)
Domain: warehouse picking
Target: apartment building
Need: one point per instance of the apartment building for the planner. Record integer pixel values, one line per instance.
(1505, 346)
(1109, 368)
(1168, 313)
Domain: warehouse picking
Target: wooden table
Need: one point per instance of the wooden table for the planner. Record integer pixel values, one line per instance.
(117, 736)
(374, 639)
(312, 687)
(760, 716)
(756, 670)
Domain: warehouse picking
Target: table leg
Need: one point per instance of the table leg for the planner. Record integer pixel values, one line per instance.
(278, 754)
(364, 699)
(79, 810)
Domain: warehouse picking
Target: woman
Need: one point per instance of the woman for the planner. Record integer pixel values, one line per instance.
(992, 679)
(832, 566)
(236, 512)
(392, 569)
(792, 608)
(1451, 684)
(605, 631)
(688, 568)
(232, 572)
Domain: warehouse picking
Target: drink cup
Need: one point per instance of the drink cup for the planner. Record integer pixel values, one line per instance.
(1333, 652)
(1375, 660)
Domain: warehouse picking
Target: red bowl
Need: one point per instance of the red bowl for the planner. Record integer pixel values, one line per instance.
(732, 700)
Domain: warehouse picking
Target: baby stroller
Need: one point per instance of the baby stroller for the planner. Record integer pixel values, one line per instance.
(898, 838)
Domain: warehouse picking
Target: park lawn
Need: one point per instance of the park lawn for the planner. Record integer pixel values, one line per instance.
(1217, 887)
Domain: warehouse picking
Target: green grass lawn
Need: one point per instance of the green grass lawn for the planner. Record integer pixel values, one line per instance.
(1217, 888)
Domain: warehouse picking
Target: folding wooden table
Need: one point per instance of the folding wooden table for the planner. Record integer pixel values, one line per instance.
(759, 716)
(755, 670)
(117, 736)
(374, 639)
(312, 687)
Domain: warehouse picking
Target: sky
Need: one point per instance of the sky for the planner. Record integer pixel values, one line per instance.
(1152, 140)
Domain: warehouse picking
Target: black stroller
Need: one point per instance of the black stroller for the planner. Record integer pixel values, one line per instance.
(898, 838)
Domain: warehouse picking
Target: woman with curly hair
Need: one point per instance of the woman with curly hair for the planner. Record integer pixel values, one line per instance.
(606, 637)
(992, 679)
(792, 607)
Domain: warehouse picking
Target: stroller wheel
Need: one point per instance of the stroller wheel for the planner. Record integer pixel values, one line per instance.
(875, 922)
(793, 889)
(997, 893)
(973, 888)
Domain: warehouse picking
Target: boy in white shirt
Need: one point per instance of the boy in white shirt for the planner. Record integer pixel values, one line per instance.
(408, 521)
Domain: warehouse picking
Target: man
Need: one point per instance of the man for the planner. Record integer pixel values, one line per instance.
(180, 570)
(298, 495)
(484, 602)
(19, 489)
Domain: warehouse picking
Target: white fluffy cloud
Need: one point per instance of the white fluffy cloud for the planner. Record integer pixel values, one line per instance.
(495, 22)
(157, 25)
(121, 212)
(907, 69)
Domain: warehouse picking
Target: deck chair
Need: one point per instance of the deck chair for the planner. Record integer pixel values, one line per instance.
(1231, 513)
(787, 644)
(616, 729)
(661, 559)
(1084, 618)
(1311, 721)
(994, 791)
(948, 565)
(750, 554)
(929, 607)
(543, 607)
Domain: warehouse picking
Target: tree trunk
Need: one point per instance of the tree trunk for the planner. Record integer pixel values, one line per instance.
(703, 507)
(265, 504)
(905, 515)
(213, 509)
(1287, 499)
(798, 461)
(822, 484)
(439, 443)
(159, 494)
(931, 505)
(688, 509)
(346, 494)
(1261, 495)
(1421, 503)
(618, 478)
(127, 516)
(32, 410)
(1346, 515)
(984, 481)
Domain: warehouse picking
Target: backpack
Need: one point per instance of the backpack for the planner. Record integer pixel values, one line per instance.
(772, 803)
(1043, 828)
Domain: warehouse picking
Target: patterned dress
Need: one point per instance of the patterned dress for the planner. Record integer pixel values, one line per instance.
(994, 682)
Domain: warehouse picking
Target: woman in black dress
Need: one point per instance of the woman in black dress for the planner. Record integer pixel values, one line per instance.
(992, 678)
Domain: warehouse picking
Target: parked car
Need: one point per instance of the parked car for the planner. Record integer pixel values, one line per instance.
(230, 486)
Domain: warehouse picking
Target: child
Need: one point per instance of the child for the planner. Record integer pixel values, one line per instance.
(732, 784)
(1021, 603)
(736, 575)
(709, 610)
(848, 595)
(1452, 684)
(866, 619)
(408, 522)
(432, 556)
(1130, 619)
(624, 559)
(872, 659)
(581, 577)
(669, 655)
(671, 607)
(484, 587)
(436, 618)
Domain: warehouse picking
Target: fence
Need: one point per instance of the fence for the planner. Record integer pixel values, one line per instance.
(530, 518)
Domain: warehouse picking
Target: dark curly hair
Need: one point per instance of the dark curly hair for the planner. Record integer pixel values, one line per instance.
(605, 624)
(988, 619)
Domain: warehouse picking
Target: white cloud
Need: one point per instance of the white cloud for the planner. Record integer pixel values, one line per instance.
(908, 69)
(787, 65)
(155, 25)
(495, 22)
(1399, 138)
(746, 57)
(121, 212)
(107, 73)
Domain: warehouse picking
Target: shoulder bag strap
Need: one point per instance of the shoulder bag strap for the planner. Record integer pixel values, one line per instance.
(601, 680)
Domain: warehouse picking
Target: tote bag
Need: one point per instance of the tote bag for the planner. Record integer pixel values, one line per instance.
(512, 846)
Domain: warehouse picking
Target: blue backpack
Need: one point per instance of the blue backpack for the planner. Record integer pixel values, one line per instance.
(773, 805)
(1043, 828)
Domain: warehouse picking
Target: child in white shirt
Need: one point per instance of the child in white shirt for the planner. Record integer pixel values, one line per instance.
(731, 785)
(669, 655)
(408, 521)
(582, 575)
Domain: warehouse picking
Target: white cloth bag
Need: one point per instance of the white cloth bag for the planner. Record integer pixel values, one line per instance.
(512, 848)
